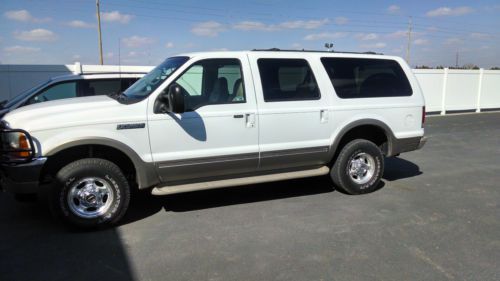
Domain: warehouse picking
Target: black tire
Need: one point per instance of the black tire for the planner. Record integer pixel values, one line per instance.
(340, 169)
(74, 176)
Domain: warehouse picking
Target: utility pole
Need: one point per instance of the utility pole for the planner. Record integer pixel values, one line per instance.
(410, 27)
(99, 31)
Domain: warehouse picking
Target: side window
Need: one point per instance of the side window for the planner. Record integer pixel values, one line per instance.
(367, 78)
(59, 91)
(100, 87)
(212, 81)
(287, 80)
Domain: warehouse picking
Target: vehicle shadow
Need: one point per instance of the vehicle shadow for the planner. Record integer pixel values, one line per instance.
(144, 205)
(399, 168)
(34, 246)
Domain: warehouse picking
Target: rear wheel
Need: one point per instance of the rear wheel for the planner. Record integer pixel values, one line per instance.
(90, 192)
(359, 167)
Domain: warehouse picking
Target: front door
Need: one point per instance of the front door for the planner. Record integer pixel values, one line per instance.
(218, 133)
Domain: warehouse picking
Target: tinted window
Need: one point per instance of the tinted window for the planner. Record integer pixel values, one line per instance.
(101, 87)
(56, 92)
(287, 80)
(367, 78)
(127, 82)
(212, 81)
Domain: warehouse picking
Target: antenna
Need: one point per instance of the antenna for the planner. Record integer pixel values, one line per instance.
(119, 57)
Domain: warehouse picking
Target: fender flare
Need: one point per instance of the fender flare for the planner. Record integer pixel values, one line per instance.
(145, 172)
(363, 122)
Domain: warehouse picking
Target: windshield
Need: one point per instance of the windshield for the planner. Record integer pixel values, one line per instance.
(151, 81)
(25, 94)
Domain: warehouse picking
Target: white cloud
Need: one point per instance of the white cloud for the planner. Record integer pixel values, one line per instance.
(378, 45)
(297, 46)
(454, 41)
(341, 20)
(24, 16)
(252, 25)
(478, 35)
(134, 54)
(76, 57)
(137, 41)
(80, 24)
(298, 24)
(325, 36)
(20, 49)
(398, 34)
(116, 16)
(447, 11)
(109, 55)
(38, 34)
(169, 45)
(393, 9)
(208, 28)
(366, 36)
(421, 41)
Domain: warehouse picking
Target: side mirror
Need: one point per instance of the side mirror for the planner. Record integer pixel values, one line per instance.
(175, 98)
(171, 100)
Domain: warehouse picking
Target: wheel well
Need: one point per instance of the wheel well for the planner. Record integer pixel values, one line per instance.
(372, 133)
(64, 157)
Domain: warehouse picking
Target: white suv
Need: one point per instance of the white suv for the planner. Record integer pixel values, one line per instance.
(216, 119)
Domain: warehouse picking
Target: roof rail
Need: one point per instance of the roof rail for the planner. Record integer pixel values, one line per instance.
(113, 72)
(314, 51)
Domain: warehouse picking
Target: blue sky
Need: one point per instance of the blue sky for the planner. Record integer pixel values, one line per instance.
(144, 32)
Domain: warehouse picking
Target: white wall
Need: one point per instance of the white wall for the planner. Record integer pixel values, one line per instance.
(444, 89)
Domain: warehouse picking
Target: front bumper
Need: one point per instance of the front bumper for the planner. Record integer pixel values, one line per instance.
(21, 178)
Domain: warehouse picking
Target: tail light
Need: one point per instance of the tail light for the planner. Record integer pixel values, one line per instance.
(423, 116)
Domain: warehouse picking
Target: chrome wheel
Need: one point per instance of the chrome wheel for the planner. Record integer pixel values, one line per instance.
(90, 197)
(361, 168)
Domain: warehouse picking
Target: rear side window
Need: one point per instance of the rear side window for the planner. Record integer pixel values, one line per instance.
(287, 80)
(101, 87)
(367, 78)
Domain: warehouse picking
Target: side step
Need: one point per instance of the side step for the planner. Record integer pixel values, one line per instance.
(172, 189)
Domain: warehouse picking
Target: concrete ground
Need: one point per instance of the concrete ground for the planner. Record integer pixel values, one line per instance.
(435, 218)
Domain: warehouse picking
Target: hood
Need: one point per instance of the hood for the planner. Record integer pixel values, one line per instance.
(74, 112)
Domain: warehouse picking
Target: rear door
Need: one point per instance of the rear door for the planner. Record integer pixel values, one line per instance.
(218, 133)
(293, 112)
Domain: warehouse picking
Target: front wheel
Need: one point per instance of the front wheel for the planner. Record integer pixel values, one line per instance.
(90, 192)
(358, 168)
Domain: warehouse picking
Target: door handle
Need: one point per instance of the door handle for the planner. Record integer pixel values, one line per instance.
(323, 115)
(250, 120)
(238, 116)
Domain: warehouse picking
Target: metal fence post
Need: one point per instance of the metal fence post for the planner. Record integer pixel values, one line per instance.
(443, 94)
(479, 90)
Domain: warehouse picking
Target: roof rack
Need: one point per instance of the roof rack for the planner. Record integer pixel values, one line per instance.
(113, 72)
(314, 51)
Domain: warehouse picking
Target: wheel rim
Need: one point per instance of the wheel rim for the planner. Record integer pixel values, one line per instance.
(361, 168)
(90, 197)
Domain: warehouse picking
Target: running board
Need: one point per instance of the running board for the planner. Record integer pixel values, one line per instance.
(173, 189)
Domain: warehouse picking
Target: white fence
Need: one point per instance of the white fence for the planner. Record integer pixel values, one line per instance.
(457, 90)
(444, 89)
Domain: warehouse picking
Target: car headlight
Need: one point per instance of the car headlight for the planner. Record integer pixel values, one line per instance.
(16, 146)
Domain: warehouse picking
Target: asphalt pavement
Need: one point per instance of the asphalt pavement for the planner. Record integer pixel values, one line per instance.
(435, 217)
